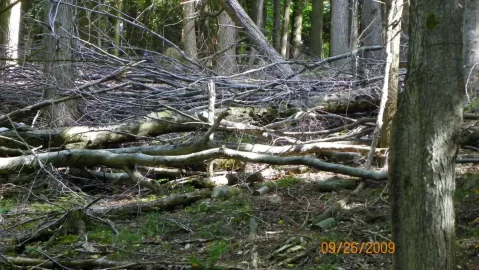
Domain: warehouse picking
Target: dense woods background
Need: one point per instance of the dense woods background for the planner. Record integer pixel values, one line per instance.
(239, 134)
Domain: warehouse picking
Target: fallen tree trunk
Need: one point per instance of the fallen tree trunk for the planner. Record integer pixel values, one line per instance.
(286, 150)
(167, 203)
(94, 158)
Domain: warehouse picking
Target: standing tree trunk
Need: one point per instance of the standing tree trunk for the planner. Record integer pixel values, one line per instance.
(393, 37)
(226, 62)
(340, 30)
(316, 34)
(425, 139)
(257, 13)
(237, 13)
(277, 24)
(13, 31)
(471, 46)
(10, 27)
(189, 33)
(298, 28)
(59, 70)
(100, 24)
(285, 33)
(118, 27)
(372, 30)
(257, 17)
(354, 33)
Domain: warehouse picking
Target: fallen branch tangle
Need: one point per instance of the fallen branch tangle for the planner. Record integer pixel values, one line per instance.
(286, 119)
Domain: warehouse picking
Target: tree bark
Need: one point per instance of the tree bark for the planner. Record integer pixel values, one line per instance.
(285, 30)
(425, 139)
(471, 46)
(257, 17)
(10, 29)
(298, 28)
(340, 30)
(257, 13)
(372, 35)
(226, 62)
(316, 34)
(189, 31)
(393, 37)
(277, 24)
(59, 67)
(237, 13)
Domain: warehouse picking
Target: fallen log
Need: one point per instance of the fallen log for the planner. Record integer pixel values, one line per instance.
(162, 204)
(94, 158)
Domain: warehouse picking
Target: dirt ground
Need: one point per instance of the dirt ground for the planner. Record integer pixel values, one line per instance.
(272, 231)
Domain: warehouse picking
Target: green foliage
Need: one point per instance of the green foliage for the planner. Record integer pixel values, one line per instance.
(66, 239)
(32, 250)
(101, 234)
(129, 237)
(217, 249)
(6, 206)
(287, 181)
(151, 225)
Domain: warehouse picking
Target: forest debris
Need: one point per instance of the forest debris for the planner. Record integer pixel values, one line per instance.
(326, 224)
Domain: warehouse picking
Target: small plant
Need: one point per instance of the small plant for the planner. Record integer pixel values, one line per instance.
(217, 249)
(128, 237)
(150, 226)
(287, 181)
(101, 234)
(6, 206)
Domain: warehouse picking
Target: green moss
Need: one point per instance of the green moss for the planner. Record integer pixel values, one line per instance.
(229, 164)
(66, 239)
(44, 207)
(431, 21)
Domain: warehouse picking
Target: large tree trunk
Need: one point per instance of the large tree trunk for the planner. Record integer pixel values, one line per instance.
(237, 13)
(189, 32)
(226, 62)
(340, 30)
(257, 17)
(59, 67)
(393, 37)
(425, 139)
(372, 29)
(257, 13)
(277, 24)
(471, 46)
(285, 31)
(10, 26)
(316, 34)
(298, 28)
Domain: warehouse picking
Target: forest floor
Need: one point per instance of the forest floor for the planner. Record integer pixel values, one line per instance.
(216, 234)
